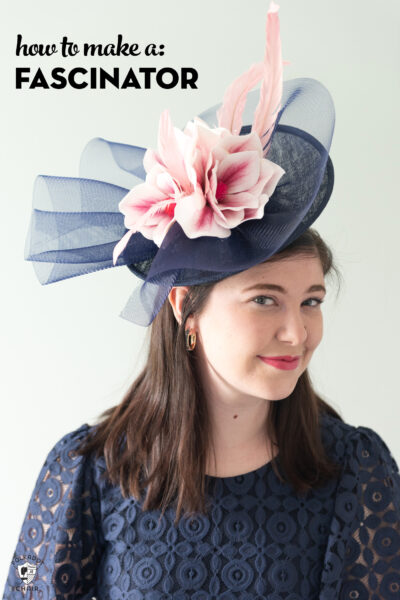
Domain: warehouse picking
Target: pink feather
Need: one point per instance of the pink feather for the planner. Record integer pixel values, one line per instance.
(230, 113)
(269, 103)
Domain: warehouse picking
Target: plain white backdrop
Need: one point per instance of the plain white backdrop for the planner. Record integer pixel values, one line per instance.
(66, 355)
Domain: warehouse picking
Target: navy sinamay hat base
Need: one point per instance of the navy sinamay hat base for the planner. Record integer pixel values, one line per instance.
(76, 222)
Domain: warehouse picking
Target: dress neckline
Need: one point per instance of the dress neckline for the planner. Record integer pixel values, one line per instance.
(259, 471)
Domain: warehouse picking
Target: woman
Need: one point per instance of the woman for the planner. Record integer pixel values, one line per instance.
(222, 473)
(318, 533)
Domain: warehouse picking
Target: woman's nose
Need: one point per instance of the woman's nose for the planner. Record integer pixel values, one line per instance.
(292, 328)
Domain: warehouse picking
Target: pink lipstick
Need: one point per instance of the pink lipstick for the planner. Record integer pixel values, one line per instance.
(286, 363)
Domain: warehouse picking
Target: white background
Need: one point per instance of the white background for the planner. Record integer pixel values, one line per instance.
(66, 355)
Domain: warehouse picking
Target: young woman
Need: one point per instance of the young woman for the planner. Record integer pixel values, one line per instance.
(221, 474)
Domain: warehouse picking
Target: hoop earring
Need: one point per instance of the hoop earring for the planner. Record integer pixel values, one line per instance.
(190, 338)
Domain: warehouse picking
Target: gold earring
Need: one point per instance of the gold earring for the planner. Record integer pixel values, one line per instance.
(190, 339)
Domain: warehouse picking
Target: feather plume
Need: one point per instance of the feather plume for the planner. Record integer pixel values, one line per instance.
(269, 102)
(234, 101)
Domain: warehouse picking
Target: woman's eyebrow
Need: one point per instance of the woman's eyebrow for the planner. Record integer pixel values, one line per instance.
(272, 286)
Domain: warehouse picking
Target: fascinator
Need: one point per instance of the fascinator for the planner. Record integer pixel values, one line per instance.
(238, 184)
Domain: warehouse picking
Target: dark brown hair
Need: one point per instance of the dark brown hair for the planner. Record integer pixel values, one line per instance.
(156, 440)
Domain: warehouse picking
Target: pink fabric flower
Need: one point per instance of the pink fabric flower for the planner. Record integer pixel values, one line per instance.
(208, 180)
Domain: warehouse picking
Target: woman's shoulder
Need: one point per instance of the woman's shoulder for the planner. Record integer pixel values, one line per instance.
(73, 437)
(344, 441)
(64, 458)
(69, 442)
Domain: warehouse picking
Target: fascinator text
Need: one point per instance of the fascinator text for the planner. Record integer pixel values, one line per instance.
(98, 77)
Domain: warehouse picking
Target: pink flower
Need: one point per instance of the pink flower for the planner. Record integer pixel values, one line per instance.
(208, 180)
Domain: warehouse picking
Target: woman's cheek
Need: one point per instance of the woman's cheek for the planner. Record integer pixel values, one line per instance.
(315, 330)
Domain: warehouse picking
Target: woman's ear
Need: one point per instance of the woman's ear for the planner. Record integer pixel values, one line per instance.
(176, 297)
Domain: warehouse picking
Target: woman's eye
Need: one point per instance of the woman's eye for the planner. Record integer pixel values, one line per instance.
(258, 297)
(317, 300)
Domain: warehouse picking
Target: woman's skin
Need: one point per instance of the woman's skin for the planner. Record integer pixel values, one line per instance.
(234, 328)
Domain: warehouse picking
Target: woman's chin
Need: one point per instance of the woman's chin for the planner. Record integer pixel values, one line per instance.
(279, 391)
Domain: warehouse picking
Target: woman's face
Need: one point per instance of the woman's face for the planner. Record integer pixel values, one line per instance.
(239, 324)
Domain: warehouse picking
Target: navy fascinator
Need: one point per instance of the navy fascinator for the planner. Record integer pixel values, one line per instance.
(238, 184)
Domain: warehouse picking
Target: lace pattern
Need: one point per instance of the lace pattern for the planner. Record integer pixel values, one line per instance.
(260, 540)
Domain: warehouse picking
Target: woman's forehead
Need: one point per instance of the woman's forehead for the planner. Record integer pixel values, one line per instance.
(292, 270)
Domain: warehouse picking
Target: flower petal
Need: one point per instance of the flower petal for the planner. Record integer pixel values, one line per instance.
(172, 149)
(210, 193)
(138, 202)
(273, 172)
(240, 171)
(150, 159)
(120, 246)
(256, 213)
(161, 230)
(205, 140)
(240, 201)
(232, 218)
(166, 184)
(197, 218)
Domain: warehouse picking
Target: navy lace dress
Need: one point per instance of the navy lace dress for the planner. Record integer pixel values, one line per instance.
(81, 539)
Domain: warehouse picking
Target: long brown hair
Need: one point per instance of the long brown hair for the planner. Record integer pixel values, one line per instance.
(157, 438)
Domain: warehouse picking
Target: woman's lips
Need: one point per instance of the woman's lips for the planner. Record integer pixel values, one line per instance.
(279, 363)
